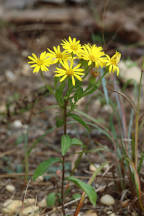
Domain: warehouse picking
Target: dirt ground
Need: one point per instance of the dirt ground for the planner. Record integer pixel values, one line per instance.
(25, 105)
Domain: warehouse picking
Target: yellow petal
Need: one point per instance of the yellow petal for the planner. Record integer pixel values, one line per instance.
(73, 80)
(63, 78)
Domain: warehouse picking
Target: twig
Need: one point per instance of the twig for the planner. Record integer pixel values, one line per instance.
(7, 153)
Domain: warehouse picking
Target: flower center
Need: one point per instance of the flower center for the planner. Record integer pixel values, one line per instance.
(40, 62)
(113, 62)
(59, 55)
(92, 58)
(74, 47)
(70, 72)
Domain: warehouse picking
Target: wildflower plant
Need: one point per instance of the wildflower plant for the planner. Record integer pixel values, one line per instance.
(73, 78)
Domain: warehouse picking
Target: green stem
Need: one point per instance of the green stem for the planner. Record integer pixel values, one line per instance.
(26, 157)
(63, 157)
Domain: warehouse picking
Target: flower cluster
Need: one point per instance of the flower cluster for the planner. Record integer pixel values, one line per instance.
(67, 57)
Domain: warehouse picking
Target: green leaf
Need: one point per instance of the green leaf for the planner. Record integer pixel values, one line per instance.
(76, 196)
(88, 189)
(65, 144)
(42, 168)
(78, 119)
(75, 141)
(78, 94)
(59, 122)
(51, 199)
(59, 94)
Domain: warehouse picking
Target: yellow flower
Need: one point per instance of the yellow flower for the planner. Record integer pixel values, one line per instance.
(39, 63)
(72, 46)
(57, 55)
(113, 62)
(69, 70)
(94, 54)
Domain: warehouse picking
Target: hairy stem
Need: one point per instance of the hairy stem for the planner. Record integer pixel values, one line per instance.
(63, 157)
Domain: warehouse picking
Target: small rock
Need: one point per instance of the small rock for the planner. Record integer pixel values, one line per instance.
(31, 211)
(10, 76)
(40, 179)
(25, 53)
(26, 70)
(96, 106)
(107, 108)
(107, 200)
(90, 213)
(112, 214)
(28, 202)
(81, 101)
(3, 108)
(11, 206)
(10, 188)
(109, 212)
(94, 167)
(42, 203)
(129, 71)
(17, 124)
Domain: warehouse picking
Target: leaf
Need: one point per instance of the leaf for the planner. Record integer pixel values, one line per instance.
(59, 122)
(76, 196)
(88, 189)
(104, 85)
(51, 199)
(42, 168)
(59, 98)
(75, 141)
(59, 94)
(65, 144)
(78, 94)
(78, 119)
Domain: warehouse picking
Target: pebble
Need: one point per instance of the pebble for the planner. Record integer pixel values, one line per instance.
(42, 203)
(10, 188)
(3, 108)
(11, 206)
(31, 211)
(11, 77)
(40, 179)
(96, 106)
(107, 200)
(17, 124)
(90, 213)
(129, 71)
(28, 202)
(93, 168)
(107, 108)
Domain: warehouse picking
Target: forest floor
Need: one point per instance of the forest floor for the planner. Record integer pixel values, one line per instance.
(26, 106)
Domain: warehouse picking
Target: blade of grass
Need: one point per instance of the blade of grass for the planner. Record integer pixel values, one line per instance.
(104, 85)
(137, 122)
(137, 184)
